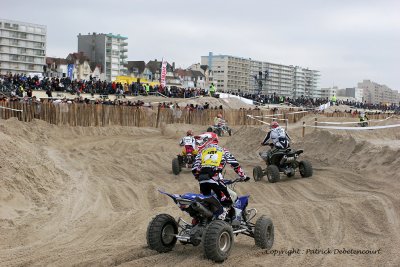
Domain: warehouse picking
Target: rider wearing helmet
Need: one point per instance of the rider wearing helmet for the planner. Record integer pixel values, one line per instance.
(363, 117)
(207, 169)
(203, 139)
(218, 120)
(189, 143)
(279, 138)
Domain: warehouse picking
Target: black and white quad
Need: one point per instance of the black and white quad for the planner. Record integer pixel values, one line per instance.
(283, 161)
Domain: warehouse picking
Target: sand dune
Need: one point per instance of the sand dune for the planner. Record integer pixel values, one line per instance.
(84, 196)
(214, 102)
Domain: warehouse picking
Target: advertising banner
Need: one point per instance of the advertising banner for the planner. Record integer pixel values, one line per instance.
(163, 73)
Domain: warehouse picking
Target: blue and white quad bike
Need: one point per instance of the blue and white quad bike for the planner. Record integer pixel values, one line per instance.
(216, 235)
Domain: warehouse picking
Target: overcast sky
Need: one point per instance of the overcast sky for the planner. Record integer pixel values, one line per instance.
(347, 41)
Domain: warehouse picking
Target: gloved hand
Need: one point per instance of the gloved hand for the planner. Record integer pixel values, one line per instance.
(196, 175)
(244, 179)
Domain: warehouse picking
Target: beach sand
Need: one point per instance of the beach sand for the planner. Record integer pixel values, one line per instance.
(75, 196)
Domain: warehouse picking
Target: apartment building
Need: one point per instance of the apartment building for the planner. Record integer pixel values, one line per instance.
(305, 82)
(351, 93)
(229, 73)
(242, 75)
(278, 78)
(377, 93)
(108, 50)
(354, 93)
(22, 47)
(330, 92)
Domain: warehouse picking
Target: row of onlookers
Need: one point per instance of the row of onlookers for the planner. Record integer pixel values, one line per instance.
(21, 85)
(306, 102)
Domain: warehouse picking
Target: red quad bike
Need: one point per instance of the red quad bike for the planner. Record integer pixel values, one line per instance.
(283, 161)
(185, 161)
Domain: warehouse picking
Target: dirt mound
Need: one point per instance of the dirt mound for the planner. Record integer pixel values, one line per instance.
(84, 196)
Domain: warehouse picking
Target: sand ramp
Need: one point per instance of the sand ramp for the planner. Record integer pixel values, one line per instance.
(84, 196)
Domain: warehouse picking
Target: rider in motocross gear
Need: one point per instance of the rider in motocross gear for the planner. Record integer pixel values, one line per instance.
(204, 139)
(279, 138)
(218, 120)
(363, 117)
(188, 140)
(207, 169)
(220, 126)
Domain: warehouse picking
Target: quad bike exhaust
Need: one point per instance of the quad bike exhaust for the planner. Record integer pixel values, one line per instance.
(286, 159)
(202, 210)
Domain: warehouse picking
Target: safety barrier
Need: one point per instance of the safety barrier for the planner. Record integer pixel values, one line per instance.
(106, 115)
(353, 128)
(19, 110)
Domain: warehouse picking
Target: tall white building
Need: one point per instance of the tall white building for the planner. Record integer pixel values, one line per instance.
(108, 50)
(239, 74)
(306, 83)
(22, 47)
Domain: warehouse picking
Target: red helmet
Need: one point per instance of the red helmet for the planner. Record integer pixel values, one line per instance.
(205, 139)
(219, 116)
(274, 124)
(214, 139)
(189, 132)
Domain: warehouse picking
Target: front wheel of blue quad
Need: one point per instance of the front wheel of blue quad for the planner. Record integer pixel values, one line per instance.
(218, 241)
(161, 233)
(264, 233)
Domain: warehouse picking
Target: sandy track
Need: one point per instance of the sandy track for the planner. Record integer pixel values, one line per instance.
(84, 196)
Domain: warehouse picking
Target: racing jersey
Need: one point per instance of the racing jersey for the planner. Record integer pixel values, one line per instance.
(188, 141)
(279, 138)
(213, 159)
(218, 121)
(363, 118)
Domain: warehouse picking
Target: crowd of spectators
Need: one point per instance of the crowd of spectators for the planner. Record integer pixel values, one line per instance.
(103, 101)
(301, 101)
(19, 87)
(312, 103)
(18, 84)
(364, 105)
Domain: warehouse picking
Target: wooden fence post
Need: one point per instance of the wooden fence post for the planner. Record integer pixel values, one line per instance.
(304, 128)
